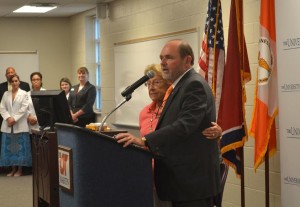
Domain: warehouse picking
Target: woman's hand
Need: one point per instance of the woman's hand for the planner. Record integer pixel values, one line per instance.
(10, 121)
(213, 132)
(31, 120)
(74, 117)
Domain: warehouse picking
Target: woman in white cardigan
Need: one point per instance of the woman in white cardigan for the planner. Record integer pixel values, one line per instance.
(15, 149)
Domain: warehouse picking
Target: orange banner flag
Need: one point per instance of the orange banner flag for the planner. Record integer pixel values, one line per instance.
(266, 105)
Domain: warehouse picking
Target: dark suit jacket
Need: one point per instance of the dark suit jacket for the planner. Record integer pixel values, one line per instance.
(4, 87)
(188, 166)
(83, 100)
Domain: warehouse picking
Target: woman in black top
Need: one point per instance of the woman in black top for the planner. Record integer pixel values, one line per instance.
(81, 99)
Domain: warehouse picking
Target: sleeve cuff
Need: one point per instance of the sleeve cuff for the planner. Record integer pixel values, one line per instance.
(145, 141)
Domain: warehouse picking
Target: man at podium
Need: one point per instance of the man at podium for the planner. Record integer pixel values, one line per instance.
(187, 166)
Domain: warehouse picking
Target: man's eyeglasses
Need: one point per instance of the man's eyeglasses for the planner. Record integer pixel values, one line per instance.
(153, 83)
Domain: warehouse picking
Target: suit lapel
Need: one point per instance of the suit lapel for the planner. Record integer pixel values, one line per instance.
(172, 96)
(76, 87)
(85, 87)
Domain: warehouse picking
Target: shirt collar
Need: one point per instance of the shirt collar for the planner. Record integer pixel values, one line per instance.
(178, 79)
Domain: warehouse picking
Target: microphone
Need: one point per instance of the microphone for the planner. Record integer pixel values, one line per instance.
(138, 83)
(127, 98)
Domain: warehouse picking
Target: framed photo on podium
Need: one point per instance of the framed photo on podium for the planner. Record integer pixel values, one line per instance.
(65, 168)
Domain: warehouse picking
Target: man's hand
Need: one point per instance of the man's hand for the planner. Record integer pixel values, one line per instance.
(128, 139)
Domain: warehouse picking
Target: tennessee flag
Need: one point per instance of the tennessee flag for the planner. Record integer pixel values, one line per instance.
(212, 59)
(231, 115)
(266, 107)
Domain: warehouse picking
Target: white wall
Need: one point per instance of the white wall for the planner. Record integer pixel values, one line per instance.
(63, 44)
(82, 46)
(49, 36)
(131, 19)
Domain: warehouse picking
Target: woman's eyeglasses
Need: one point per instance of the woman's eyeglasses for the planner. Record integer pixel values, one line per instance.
(153, 83)
(35, 79)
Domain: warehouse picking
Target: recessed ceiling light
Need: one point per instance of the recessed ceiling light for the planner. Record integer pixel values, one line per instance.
(36, 8)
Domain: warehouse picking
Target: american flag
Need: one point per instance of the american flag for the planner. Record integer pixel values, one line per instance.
(212, 53)
(227, 82)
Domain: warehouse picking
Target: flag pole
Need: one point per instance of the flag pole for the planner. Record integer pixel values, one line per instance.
(242, 179)
(267, 187)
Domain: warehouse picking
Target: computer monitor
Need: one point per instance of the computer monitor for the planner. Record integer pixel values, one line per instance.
(51, 106)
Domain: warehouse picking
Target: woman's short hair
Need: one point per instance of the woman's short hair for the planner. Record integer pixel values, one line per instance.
(83, 70)
(13, 76)
(38, 74)
(66, 80)
(156, 68)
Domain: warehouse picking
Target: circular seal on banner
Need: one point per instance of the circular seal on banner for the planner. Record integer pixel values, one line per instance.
(265, 61)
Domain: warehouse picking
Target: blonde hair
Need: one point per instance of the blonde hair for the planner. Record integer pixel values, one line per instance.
(155, 68)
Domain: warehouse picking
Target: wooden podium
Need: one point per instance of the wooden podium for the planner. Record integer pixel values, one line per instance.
(45, 169)
(103, 172)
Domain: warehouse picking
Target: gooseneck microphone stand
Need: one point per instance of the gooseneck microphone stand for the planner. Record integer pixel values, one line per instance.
(127, 98)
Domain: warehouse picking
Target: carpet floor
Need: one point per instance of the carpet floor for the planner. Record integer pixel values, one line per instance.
(15, 191)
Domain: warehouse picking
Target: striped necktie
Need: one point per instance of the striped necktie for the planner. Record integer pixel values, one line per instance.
(167, 94)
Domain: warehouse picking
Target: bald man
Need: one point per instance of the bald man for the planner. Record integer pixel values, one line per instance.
(4, 86)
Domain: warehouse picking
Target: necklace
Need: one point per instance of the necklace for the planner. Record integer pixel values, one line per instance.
(151, 120)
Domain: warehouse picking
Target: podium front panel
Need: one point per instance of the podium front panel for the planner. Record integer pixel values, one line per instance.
(105, 173)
